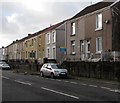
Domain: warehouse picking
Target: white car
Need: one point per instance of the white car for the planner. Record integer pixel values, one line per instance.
(4, 65)
(53, 70)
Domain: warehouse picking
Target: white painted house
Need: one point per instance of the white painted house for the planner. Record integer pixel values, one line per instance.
(2, 53)
(54, 40)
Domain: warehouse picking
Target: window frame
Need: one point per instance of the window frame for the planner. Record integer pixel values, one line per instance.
(87, 43)
(99, 23)
(82, 49)
(48, 38)
(54, 55)
(53, 37)
(98, 44)
(73, 47)
(73, 30)
(48, 54)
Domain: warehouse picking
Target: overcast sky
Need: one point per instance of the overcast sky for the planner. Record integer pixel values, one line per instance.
(21, 17)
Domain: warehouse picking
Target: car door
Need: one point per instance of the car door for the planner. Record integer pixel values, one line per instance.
(48, 70)
(44, 69)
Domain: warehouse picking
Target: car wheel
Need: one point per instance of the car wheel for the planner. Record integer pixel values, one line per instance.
(41, 74)
(52, 75)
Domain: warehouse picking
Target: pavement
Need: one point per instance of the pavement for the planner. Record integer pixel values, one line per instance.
(114, 82)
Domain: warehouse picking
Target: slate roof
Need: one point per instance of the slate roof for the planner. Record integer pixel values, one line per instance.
(45, 30)
(92, 8)
(51, 27)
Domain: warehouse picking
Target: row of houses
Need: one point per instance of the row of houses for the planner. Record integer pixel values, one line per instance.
(42, 44)
(89, 35)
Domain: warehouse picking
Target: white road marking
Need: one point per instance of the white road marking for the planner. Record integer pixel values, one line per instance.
(22, 82)
(60, 93)
(52, 79)
(105, 88)
(58, 80)
(74, 82)
(112, 90)
(93, 86)
(115, 90)
(5, 77)
(83, 84)
(66, 81)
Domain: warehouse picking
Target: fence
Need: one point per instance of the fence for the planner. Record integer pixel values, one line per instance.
(25, 66)
(101, 70)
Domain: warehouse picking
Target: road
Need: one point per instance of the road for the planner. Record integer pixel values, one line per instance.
(19, 87)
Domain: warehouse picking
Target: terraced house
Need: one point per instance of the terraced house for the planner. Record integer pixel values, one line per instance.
(15, 51)
(12, 50)
(92, 32)
(2, 53)
(30, 46)
(54, 40)
(41, 45)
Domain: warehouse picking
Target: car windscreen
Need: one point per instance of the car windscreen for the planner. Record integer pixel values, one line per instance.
(5, 64)
(56, 66)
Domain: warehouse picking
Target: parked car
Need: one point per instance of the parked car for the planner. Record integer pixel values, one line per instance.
(53, 70)
(4, 65)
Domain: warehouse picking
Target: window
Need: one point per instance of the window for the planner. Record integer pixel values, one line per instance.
(81, 46)
(53, 37)
(99, 21)
(99, 44)
(48, 52)
(73, 47)
(26, 54)
(48, 38)
(87, 49)
(54, 53)
(26, 44)
(88, 46)
(82, 50)
(32, 43)
(73, 28)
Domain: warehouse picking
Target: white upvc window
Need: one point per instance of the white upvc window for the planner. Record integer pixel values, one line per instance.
(53, 37)
(99, 21)
(48, 38)
(73, 28)
(98, 44)
(73, 47)
(53, 52)
(48, 52)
